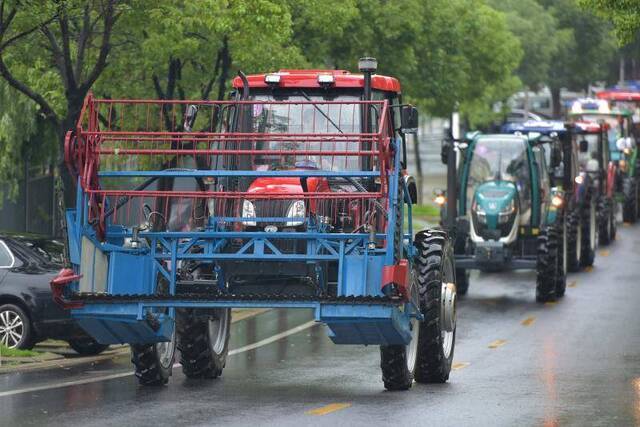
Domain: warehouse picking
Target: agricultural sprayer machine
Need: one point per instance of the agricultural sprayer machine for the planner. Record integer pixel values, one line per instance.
(292, 194)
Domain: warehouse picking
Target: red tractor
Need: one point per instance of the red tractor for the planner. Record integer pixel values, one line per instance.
(292, 194)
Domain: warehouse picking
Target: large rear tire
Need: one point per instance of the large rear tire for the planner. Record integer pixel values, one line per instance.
(561, 276)
(547, 266)
(203, 341)
(436, 340)
(153, 362)
(574, 236)
(630, 204)
(607, 222)
(589, 235)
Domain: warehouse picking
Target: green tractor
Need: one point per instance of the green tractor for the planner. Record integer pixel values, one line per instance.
(503, 210)
(623, 149)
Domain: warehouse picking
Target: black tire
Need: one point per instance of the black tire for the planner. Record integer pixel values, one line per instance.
(150, 369)
(589, 221)
(462, 281)
(607, 222)
(436, 266)
(547, 265)
(561, 276)
(17, 327)
(202, 354)
(87, 346)
(630, 203)
(396, 375)
(574, 237)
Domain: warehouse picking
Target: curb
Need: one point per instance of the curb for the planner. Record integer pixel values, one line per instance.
(36, 363)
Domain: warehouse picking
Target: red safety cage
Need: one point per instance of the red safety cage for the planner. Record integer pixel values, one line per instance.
(173, 165)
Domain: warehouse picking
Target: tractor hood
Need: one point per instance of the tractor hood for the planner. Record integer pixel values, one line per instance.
(285, 185)
(494, 203)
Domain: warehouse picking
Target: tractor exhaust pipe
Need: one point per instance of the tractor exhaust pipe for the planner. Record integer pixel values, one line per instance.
(452, 196)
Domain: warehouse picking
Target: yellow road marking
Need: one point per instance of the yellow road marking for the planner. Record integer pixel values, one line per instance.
(497, 343)
(459, 365)
(528, 321)
(588, 269)
(333, 407)
(626, 224)
(572, 284)
(241, 314)
(551, 303)
(604, 252)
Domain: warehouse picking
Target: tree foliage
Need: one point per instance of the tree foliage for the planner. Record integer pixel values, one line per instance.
(448, 54)
(537, 31)
(624, 14)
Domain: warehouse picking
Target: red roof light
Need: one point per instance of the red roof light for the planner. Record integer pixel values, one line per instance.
(309, 79)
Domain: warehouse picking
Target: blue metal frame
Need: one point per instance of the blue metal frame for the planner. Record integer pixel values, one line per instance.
(134, 271)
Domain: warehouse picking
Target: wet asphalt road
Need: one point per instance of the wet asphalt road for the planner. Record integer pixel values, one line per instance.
(517, 363)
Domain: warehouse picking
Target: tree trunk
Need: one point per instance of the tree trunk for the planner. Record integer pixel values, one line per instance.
(224, 68)
(556, 102)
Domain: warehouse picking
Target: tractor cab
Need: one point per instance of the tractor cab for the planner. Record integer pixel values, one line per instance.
(502, 180)
(621, 133)
(503, 207)
(622, 148)
(317, 105)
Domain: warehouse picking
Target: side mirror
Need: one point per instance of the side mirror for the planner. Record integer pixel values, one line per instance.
(584, 146)
(190, 117)
(409, 119)
(444, 151)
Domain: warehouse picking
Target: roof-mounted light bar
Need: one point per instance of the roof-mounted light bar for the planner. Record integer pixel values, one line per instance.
(326, 79)
(272, 79)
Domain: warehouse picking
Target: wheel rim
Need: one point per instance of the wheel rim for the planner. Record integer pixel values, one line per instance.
(11, 328)
(448, 315)
(414, 324)
(218, 328)
(165, 351)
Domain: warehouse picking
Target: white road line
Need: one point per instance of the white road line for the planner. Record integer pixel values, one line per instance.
(244, 349)
(273, 338)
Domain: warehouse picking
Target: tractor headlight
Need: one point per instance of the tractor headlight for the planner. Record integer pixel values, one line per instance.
(248, 211)
(505, 214)
(297, 210)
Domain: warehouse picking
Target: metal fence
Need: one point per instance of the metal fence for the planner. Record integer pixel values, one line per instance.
(33, 209)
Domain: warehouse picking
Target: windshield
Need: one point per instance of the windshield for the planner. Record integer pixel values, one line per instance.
(499, 159)
(616, 127)
(306, 119)
(592, 151)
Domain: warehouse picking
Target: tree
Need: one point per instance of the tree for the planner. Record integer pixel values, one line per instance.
(191, 50)
(466, 57)
(536, 30)
(624, 14)
(24, 138)
(53, 52)
(585, 49)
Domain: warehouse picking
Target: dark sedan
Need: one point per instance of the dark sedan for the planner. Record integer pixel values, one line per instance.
(28, 313)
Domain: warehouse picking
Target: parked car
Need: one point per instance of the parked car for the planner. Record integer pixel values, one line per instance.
(518, 116)
(28, 313)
